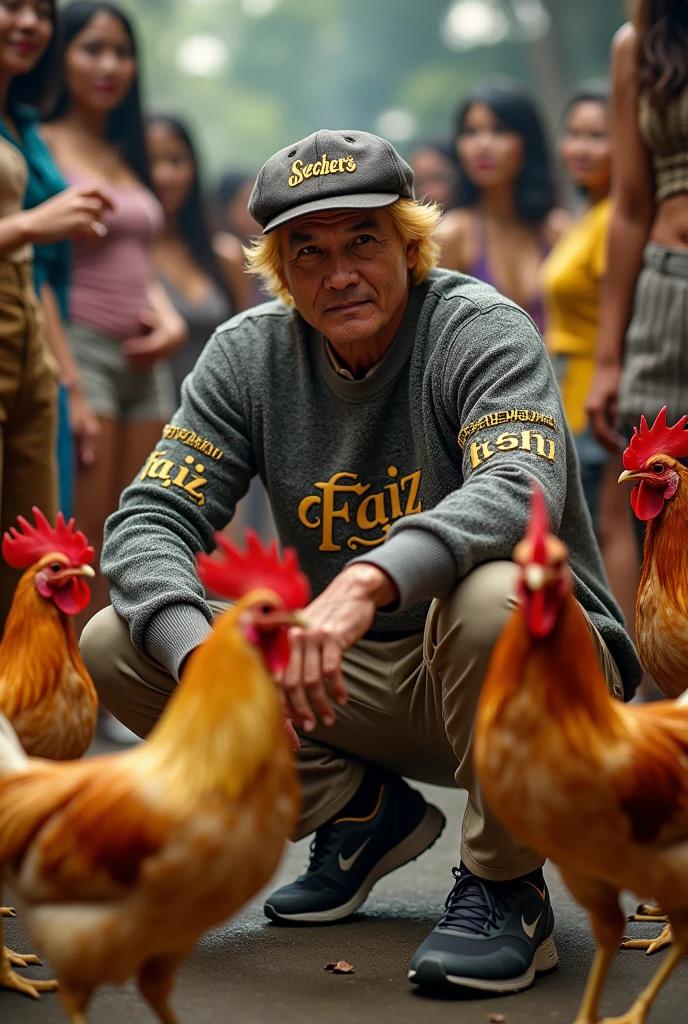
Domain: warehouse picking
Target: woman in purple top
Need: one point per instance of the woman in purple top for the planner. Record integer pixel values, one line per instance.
(506, 220)
(122, 325)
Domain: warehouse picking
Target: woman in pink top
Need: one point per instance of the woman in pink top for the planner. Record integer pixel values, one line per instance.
(123, 327)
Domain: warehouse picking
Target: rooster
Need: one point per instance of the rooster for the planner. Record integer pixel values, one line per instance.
(121, 862)
(45, 690)
(660, 498)
(597, 786)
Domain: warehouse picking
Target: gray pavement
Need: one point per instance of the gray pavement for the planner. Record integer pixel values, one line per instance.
(252, 972)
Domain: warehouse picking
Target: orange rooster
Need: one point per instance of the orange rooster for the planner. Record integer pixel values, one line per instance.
(597, 786)
(45, 690)
(660, 498)
(121, 862)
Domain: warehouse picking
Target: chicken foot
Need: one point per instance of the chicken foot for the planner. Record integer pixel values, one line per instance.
(647, 912)
(8, 912)
(11, 980)
(641, 1007)
(22, 959)
(651, 945)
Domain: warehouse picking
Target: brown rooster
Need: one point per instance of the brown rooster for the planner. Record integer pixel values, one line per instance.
(121, 862)
(660, 498)
(45, 690)
(597, 786)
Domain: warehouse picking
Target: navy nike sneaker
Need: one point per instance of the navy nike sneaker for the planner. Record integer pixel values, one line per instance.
(494, 936)
(385, 825)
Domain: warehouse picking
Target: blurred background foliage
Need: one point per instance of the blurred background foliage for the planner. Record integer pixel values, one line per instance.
(252, 76)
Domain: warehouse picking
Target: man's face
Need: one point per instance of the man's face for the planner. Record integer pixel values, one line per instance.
(347, 271)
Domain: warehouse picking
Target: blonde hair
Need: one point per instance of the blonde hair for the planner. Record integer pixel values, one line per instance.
(414, 221)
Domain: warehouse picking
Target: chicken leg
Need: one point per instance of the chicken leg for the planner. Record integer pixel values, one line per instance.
(641, 1007)
(75, 1003)
(593, 990)
(155, 982)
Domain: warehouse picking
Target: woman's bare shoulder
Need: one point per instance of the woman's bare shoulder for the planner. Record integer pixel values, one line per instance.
(454, 236)
(625, 39)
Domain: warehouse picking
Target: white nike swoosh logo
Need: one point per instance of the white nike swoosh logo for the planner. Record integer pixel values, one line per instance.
(529, 929)
(346, 863)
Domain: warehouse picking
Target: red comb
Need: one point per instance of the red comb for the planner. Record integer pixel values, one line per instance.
(233, 573)
(25, 548)
(538, 524)
(656, 440)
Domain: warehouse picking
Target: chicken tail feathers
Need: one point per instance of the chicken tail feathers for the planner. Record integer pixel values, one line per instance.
(12, 755)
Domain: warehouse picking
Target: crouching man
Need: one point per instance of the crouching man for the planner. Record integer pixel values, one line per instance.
(397, 415)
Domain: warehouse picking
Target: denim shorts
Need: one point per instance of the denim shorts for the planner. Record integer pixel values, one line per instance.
(113, 388)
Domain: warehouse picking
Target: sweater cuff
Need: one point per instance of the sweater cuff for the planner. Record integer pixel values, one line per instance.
(419, 563)
(173, 632)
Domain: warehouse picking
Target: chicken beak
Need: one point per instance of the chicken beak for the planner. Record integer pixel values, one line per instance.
(630, 475)
(83, 570)
(536, 576)
(300, 620)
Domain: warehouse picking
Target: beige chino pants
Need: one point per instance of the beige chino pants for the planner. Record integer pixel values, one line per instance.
(411, 708)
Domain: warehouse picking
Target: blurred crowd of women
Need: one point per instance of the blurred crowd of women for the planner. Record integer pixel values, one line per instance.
(113, 276)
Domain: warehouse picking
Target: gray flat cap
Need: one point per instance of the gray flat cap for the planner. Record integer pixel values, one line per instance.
(330, 170)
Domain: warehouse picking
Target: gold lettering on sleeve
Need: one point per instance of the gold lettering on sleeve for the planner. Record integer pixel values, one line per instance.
(503, 416)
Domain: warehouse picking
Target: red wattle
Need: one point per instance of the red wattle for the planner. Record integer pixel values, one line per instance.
(649, 502)
(72, 598)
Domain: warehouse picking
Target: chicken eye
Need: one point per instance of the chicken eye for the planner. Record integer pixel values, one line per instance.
(658, 468)
(266, 609)
(55, 567)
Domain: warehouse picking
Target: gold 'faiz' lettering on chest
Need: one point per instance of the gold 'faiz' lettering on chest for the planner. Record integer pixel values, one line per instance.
(369, 512)
(172, 475)
(545, 447)
(301, 172)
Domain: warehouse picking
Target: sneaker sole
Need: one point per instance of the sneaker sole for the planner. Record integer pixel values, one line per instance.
(431, 973)
(423, 837)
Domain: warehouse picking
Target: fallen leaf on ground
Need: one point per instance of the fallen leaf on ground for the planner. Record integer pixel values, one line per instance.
(340, 967)
(497, 1018)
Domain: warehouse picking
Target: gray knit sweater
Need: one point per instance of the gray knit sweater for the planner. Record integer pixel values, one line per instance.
(432, 454)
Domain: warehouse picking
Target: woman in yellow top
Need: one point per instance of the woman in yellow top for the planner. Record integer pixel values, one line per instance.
(572, 276)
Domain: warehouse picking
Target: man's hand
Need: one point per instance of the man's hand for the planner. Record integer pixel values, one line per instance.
(337, 619)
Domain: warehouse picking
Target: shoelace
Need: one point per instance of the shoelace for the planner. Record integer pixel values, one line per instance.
(321, 846)
(474, 906)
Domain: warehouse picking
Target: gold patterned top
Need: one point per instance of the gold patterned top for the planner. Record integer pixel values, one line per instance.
(666, 135)
(14, 177)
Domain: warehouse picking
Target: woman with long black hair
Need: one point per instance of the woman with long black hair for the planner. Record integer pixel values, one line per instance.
(506, 220)
(36, 216)
(123, 327)
(642, 355)
(198, 283)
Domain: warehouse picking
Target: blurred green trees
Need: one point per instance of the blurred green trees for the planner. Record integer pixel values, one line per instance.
(253, 75)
